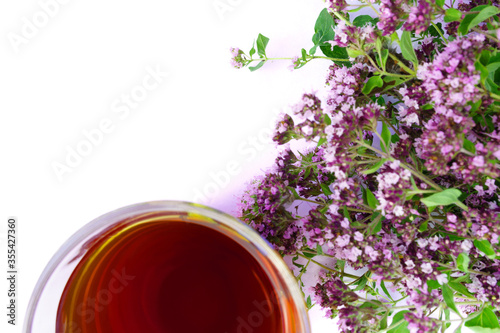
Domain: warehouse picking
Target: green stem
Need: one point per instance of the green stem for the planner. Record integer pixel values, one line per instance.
(439, 32)
(342, 18)
(329, 269)
(371, 6)
(397, 75)
(382, 141)
(311, 201)
(328, 58)
(303, 270)
(322, 255)
(392, 87)
(359, 210)
(290, 58)
(392, 326)
(487, 35)
(414, 172)
(387, 122)
(422, 177)
(401, 64)
(461, 205)
(421, 192)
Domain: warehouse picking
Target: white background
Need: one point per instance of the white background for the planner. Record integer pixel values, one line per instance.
(67, 76)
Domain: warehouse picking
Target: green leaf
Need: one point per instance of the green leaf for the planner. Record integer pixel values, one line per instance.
(308, 302)
(294, 192)
(319, 250)
(449, 297)
(463, 261)
(362, 20)
(402, 328)
(252, 50)
(458, 287)
(471, 20)
(485, 56)
(323, 29)
(407, 48)
(469, 146)
(485, 246)
(382, 284)
(378, 44)
(346, 214)
(374, 167)
(452, 14)
(424, 226)
(304, 54)
(340, 264)
(440, 3)
(386, 136)
(385, 55)
(479, 329)
(395, 138)
(433, 284)
(491, 86)
(259, 65)
(312, 51)
(373, 82)
(486, 319)
(326, 189)
(361, 283)
(337, 52)
(308, 255)
(371, 199)
(492, 67)
(322, 141)
(447, 316)
(462, 278)
(377, 226)
(484, 14)
(383, 322)
(443, 198)
(262, 44)
(483, 70)
(354, 53)
(434, 32)
(327, 119)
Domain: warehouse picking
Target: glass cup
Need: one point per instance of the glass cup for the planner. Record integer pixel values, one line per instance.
(245, 315)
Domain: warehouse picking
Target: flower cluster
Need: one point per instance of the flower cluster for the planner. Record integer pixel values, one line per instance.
(348, 34)
(451, 79)
(391, 14)
(336, 5)
(396, 184)
(420, 17)
(238, 60)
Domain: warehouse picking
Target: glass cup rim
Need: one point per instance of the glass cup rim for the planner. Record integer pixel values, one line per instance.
(120, 214)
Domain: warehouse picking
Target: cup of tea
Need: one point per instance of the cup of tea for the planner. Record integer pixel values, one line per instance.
(170, 267)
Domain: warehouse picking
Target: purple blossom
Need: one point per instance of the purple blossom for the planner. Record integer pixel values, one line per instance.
(419, 18)
(391, 14)
(238, 60)
(451, 78)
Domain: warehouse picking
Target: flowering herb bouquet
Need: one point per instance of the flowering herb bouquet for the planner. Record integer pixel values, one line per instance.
(398, 184)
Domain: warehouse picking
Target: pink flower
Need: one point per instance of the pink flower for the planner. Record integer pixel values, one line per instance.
(426, 268)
